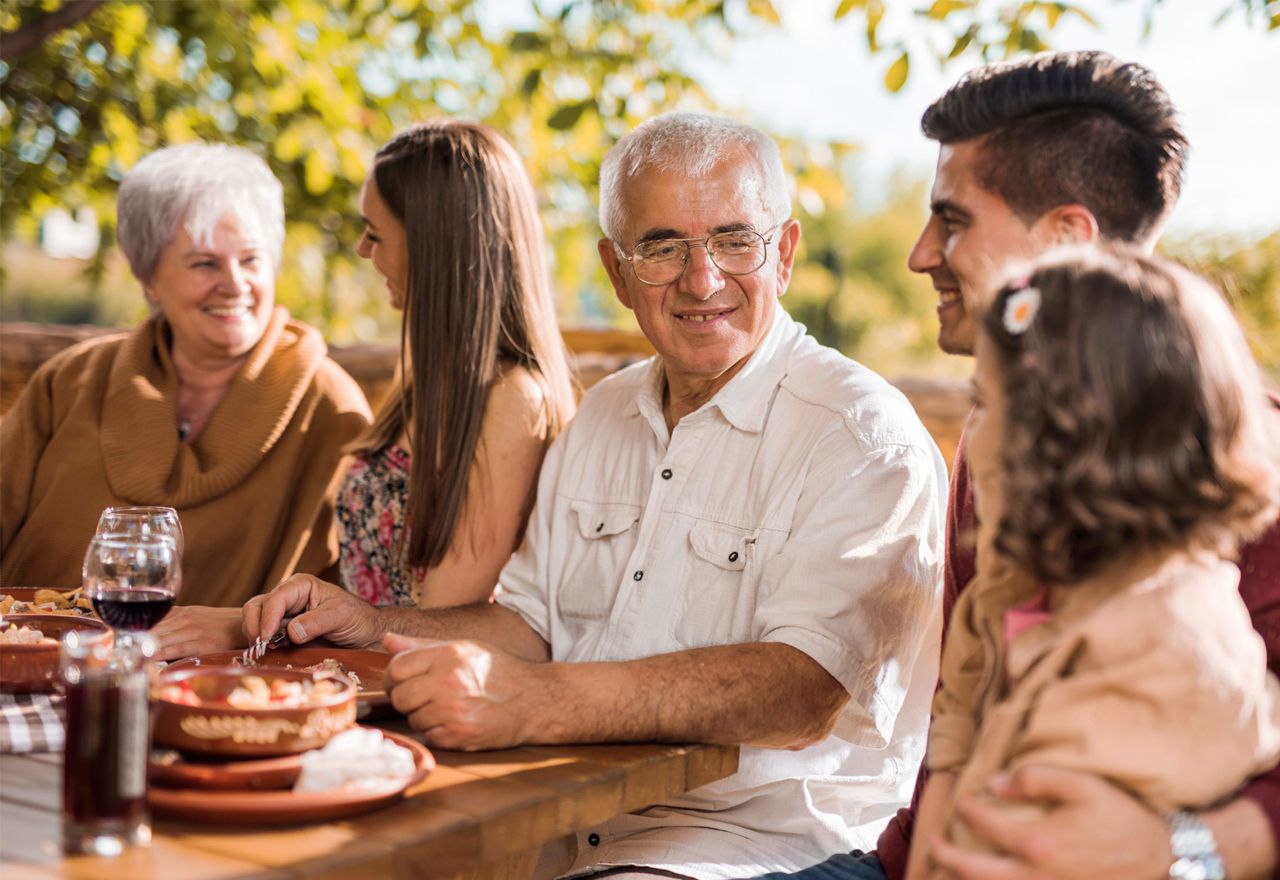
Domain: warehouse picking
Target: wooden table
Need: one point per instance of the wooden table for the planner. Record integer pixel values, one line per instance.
(480, 814)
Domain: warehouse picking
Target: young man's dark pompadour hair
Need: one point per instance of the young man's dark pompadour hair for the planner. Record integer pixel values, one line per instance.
(1070, 128)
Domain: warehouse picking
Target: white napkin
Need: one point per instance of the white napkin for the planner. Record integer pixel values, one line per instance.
(355, 759)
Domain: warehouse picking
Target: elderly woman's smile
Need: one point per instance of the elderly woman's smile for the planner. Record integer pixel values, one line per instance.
(216, 294)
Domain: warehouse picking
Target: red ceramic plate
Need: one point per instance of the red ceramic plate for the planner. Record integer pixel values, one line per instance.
(175, 770)
(371, 701)
(284, 807)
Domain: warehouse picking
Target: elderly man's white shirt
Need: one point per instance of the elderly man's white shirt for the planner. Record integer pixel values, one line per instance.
(802, 504)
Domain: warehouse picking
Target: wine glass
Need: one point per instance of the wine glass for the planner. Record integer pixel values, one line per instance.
(131, 580)
(142, 522)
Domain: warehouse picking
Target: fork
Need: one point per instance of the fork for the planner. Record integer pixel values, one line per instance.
(255, 652)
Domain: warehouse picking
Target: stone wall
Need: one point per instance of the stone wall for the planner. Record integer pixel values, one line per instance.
(942, 404)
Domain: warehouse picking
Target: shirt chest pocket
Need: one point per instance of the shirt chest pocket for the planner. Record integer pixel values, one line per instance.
(720, 590)
(606, 539)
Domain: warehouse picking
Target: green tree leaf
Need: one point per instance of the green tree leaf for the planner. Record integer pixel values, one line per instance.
(567, 116)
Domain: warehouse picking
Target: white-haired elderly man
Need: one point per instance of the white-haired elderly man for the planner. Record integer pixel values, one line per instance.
(737, 541)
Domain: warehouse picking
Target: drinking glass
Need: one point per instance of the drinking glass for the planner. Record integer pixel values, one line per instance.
(132, 581)
(142, 522)
(104, 775)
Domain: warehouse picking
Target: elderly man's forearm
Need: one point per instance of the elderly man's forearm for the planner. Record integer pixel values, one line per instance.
(765, 695)
(481, 622)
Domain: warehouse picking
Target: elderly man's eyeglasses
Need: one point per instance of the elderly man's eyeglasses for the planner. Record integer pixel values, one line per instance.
(663, 260)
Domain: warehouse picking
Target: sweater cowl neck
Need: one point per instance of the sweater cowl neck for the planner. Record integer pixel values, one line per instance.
(145, 461)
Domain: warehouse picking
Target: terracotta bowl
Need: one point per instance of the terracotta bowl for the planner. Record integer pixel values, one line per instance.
(214, 728)
(30, 669)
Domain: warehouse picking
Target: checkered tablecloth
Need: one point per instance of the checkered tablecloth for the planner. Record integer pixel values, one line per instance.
(31, 723)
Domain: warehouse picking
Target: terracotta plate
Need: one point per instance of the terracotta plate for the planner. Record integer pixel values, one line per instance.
(372, 700)
(284, 807)
(172, 769)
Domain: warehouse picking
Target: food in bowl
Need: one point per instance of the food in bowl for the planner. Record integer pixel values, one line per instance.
(258, 692)
(31, 666)
(23, 635)
(250, 711)
(44, 601)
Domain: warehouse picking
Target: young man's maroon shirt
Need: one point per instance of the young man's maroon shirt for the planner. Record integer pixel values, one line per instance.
(1259, 587)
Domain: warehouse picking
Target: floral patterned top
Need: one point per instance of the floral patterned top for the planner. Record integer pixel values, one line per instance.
(371, 528)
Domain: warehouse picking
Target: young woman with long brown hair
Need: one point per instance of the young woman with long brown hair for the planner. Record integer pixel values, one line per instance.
(442, 485)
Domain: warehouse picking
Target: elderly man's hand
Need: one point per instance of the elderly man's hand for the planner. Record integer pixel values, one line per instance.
(466, 695)
(188, 630)
(1090, 829)
(318, 609)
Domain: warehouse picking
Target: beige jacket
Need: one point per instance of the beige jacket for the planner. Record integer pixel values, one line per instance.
(1160, 687)
(97, 426)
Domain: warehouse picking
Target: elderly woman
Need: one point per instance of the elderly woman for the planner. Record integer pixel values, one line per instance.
(217, 405)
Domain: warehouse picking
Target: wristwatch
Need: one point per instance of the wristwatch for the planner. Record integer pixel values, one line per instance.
(1195, 852)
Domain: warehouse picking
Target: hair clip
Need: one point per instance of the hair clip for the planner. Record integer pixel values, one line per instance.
(1020, 310)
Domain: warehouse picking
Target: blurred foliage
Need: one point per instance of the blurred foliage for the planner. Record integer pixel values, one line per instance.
(992, 30)
(853, 290)
(317, 87)
(88, 87)
(1248, 273)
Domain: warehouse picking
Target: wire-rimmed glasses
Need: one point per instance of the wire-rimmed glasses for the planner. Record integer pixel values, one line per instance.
(734, 252)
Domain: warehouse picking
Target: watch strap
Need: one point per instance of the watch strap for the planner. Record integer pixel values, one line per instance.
(1195, 851)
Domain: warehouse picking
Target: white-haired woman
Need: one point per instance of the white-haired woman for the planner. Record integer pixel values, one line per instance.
(218, 405)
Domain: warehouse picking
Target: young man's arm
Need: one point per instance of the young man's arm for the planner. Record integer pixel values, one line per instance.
(929, 823)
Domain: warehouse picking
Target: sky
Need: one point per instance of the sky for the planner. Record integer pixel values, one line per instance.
(821, 82)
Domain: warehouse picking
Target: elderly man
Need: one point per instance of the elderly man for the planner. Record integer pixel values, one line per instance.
(738, 541)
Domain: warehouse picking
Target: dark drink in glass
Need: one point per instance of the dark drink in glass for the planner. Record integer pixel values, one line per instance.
(132, 580)
(135, 610)
(104, 780)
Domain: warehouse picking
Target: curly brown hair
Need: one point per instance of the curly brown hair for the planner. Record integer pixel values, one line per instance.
(1135, 417)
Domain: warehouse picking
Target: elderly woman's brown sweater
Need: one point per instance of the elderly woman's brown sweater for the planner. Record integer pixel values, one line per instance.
(97, 426)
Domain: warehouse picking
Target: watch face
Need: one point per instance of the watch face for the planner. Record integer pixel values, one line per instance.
(1195, 850)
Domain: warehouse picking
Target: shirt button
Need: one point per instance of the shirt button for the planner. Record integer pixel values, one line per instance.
(666, 473)
(733, 557)
(637, 576)
(593, 839)
(600, 527)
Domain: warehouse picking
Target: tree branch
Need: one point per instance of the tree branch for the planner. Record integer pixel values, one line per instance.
(35, 32)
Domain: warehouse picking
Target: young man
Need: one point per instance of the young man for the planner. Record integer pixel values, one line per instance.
(1061, 148)
(734, 542)
(1070, 147)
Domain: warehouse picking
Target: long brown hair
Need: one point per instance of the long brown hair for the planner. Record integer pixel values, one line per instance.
(1135, 418)
(478, 300)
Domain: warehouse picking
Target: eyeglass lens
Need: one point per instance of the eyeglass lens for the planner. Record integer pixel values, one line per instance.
(734, 253)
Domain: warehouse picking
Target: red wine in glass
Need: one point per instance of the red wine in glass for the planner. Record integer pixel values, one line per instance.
(134, 610)
(131, 580)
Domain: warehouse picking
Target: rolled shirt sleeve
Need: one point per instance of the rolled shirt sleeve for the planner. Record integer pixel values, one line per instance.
(857, 581)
